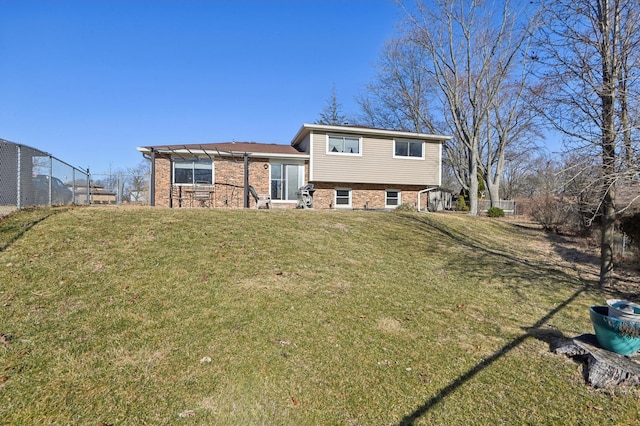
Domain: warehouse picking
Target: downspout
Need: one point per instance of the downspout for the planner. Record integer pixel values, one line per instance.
(152, 180)
(422, 192)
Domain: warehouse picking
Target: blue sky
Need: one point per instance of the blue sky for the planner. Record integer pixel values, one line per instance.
(90, 80)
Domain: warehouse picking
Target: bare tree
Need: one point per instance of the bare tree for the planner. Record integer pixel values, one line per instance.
(511, 126)
(586, 48)
(401, 97)
(526, 175)
(447, 74)
(137, 181)
(628, 104)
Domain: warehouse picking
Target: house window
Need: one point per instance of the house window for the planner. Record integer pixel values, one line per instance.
(286, 179)
(392, 198)
(187, 172)
(343, 145)
(343, 198)
(408, 149)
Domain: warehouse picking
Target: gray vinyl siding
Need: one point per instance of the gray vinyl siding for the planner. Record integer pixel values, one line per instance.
(375, 165)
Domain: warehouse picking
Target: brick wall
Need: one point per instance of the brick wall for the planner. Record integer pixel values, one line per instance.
(163, 182)
(229, 187)
(229, 181)
(364, 196)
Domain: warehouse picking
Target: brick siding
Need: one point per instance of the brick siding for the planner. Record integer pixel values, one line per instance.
(229, 187)
(365, 196)
(229, 182)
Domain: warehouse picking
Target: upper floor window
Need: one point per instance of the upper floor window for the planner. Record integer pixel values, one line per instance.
(343, 145)
(193, 171)
(408, 149)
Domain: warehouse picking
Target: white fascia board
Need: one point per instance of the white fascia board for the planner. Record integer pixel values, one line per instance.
(307, 128)
(440, 165)
(285, 156)
(210, 153)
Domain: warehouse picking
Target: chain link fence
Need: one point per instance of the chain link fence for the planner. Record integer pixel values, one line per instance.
(30, 177)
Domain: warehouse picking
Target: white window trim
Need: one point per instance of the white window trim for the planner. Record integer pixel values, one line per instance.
(300, 165)
(347, 154)
(408, 157)
(173, 171)
(390, 206)
(342, 206)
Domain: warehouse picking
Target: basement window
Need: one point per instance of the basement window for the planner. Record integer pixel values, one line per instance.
(392, 198)
(343, 198)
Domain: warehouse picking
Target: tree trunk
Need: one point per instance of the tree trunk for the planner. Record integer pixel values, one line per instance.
(606, 241)
(493, 188)
(473, 183)
(610, 72)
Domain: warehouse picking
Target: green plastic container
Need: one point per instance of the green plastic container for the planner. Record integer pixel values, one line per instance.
(614, 334)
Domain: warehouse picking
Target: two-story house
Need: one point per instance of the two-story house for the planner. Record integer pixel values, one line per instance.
(349, 166)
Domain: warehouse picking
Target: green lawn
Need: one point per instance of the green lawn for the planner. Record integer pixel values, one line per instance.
(157, 316)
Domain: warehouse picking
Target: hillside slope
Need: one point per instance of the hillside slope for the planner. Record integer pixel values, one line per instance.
(158, 316)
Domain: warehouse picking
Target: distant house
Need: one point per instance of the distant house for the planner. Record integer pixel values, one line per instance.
(349, 167)
(97, 194)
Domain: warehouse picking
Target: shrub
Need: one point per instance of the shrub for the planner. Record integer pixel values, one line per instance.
(461, 205)
(548, 212)
(495, 212)
(559, 215)
(404, 207)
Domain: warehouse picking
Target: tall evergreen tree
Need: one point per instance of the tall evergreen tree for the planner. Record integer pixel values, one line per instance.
(332, 112)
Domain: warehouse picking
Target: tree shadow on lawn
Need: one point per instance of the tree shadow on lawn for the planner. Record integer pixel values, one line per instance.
(535, 273)
(573, 251)
(582, 259)
(510, 264)
(13, 233)
(552, 338)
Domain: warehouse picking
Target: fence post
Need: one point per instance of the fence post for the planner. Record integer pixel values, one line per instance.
(73, 180)
(88, 187)
(50, 181)
(19, 178)
(119, 190)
